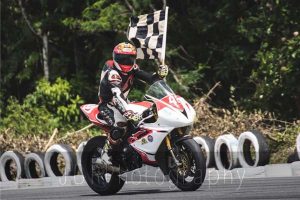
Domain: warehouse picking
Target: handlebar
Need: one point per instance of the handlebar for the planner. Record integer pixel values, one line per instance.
(142, 121)
(147, 114)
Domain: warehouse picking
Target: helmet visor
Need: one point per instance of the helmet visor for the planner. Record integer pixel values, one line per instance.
(123, 59)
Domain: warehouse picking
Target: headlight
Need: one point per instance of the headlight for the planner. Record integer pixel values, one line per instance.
(185, 130)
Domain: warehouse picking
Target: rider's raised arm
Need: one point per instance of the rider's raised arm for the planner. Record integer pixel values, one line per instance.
(147, 77)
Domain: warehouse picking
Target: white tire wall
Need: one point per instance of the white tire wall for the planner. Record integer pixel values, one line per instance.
(298, 145)
(0, 158)
(5, 161)
(79, 154)
(293, 157)
(226, 156)
(31, 160)
(207, 144)
(258, 141)
(50, 160)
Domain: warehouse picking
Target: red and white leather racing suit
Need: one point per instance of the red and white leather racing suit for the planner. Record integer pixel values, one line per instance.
(113, 91)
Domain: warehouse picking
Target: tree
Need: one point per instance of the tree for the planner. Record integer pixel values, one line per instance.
(251, 47)
(41, 34)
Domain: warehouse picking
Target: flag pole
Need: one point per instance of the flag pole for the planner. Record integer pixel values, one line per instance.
(163, 49)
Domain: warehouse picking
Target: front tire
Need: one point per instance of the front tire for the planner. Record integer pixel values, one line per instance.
(97, 178)
(191, 174)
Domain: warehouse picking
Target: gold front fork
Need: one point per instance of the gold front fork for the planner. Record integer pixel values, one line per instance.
(168, 144)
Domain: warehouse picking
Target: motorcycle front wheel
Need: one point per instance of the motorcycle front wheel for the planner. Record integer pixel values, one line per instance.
(190, 173)
(97, 178)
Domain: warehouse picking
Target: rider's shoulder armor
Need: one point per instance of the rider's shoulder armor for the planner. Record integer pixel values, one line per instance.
(110, 63)
(114, 77)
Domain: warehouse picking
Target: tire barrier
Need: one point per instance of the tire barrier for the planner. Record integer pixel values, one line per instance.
(6, 166)
(224, 153)
(226, 147)
(34, 165)
(79, 154)
(256, 140)
(298, 145)
(0, 166)
(207, 144)
(51, 161)
(293, 157)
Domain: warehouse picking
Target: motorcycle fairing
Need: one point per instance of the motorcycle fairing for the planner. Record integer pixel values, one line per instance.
(148, 145)
(91, 111)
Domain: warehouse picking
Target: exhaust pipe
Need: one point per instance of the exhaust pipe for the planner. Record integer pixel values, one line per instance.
(107, 167)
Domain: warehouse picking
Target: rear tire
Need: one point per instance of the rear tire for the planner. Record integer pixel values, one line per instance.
(98, 182)
(193, 162)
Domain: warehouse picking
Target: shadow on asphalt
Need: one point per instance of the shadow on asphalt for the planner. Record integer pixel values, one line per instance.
(135, 192)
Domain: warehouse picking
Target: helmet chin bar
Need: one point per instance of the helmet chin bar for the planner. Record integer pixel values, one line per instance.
(120, 69)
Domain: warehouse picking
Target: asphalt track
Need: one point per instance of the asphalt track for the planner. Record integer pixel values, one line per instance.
(251, 188)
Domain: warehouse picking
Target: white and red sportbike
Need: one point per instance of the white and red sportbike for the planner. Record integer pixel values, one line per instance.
(160, 139)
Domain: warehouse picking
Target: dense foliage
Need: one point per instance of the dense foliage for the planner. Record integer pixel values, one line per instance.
(49, 106)
(251, 47)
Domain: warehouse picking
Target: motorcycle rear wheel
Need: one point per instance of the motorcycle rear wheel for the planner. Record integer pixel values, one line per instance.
(190, 175)
(97, 178)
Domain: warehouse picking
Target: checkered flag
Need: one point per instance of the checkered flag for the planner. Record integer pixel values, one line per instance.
(148, 33)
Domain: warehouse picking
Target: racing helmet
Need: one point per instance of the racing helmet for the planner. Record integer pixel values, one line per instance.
(124, 56)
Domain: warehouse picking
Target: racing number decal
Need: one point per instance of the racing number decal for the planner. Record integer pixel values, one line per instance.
(173, 101)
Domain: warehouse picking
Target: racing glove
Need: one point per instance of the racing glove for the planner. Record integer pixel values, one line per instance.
(163, 71)
(132, 116)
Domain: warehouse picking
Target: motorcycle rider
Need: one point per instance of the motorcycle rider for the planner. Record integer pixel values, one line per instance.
(115, 83)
